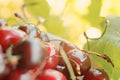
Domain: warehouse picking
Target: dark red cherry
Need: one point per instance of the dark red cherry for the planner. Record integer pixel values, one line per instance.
(31, 30)
(3, 23)
(44, 36)
(63, 69)
(67, 46)
(50, 74)
(24, 28)
(52, 56)
(4, 68)
(80, 61)
(31, 52)
(18, 74)
(10, 36)
(96, 74)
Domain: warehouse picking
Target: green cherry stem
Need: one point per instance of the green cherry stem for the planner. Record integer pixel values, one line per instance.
(104, 56)
(68, 64)
(87, 38)
(41, 67)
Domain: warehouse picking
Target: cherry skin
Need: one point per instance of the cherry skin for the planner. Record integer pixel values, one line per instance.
(44, 37)
(31, 52)
(67, 46)
(10, 36)
(17, 74)
(96, 74)
(79, 60)
(52, 56)
(31, 30)
(4, 68)
(80, 63)
(50, 74)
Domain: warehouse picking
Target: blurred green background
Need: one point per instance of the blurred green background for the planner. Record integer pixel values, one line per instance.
(69, 19)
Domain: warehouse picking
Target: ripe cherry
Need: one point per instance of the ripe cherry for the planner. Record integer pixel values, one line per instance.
(44, 37)
(53, 56)
(68, 46)
(79, 60)
(17, 74)
(50, 74)
(31, 52)
(31, 30)
(96, 74)
(80, 63)
(10, 36)
(4, 68)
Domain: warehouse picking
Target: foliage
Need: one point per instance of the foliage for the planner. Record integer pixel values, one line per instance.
(109, 44)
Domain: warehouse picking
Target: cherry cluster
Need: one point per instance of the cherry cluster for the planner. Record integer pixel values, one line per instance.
(26, 53)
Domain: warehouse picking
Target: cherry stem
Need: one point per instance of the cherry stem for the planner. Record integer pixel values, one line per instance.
(13, 59)
(68, 64)
(41, 67)
(87, 38)
(104, 56)
(25, 5)
(78, 66)
(20, 17)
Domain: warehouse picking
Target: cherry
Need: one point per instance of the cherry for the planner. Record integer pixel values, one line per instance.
(17, 74)
(3, 23)
(68, 46)
(50, 74)
(44, 37)
(79, 60)
(4, 69)
(80, 63)
(63, 69)
(53, 56)
(31, 52)
(10, 36)
(96, 74)
(31, 30)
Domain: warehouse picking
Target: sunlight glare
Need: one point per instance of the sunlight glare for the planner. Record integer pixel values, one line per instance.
(93, 32)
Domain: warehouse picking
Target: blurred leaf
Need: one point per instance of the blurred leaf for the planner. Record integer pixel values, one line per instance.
(54, 25)
(110, 45)
(94, 12)
(38, 7)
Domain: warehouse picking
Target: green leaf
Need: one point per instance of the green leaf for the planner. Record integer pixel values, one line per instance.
(38, 7)
(110, 45)
(94, 12)
(55, 26)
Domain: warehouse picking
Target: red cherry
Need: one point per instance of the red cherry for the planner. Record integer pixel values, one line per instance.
(50, 74)
(67, 46)
(18, 74)
(10, 36)
(31, 52)
(96, 74)
(53, 56)
(31, 30)
(44, 37)
(80, 60)
(4, 69)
